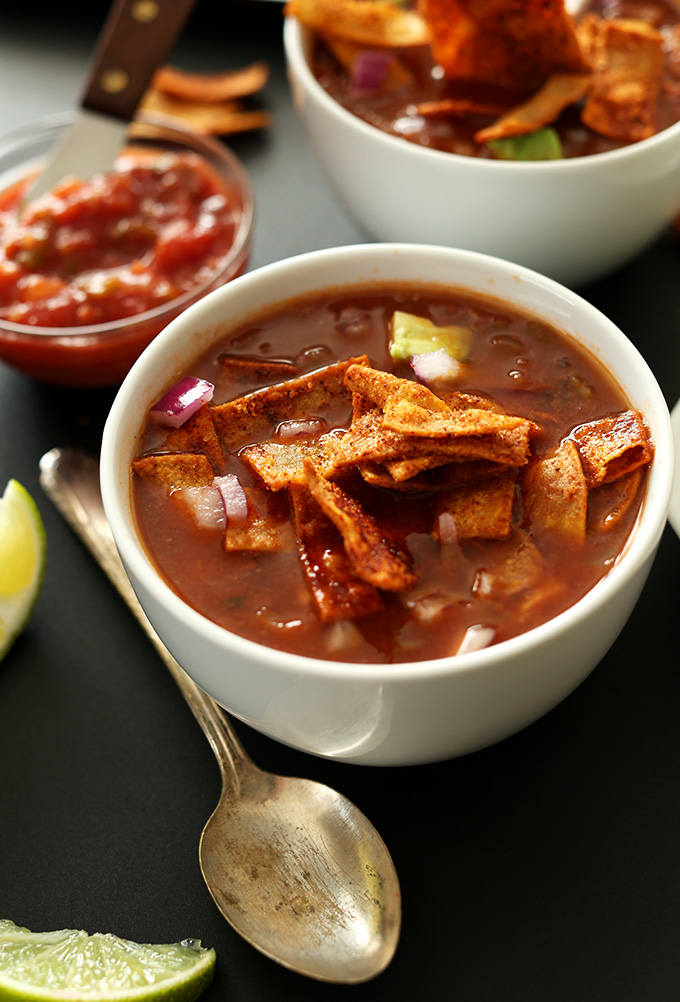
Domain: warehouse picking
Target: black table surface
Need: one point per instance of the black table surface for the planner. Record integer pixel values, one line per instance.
(544, 868)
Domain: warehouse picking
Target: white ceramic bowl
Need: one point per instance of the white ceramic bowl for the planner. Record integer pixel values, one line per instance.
(405, 713)
(571, 219)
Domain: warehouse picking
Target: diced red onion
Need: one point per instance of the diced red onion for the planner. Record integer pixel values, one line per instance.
(446, 528)
(369, 71)
(298, 428)
(181, 401)
(436, 367)
(233, 496)
(476, 637)
(205, 504)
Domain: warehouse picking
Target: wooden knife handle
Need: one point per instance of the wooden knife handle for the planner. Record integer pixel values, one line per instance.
(136, 37)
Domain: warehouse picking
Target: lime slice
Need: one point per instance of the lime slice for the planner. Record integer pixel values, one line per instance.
(71, 966)
(23, 550)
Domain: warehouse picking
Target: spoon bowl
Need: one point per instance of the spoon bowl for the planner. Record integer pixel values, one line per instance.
(337, 923)
(294, 867)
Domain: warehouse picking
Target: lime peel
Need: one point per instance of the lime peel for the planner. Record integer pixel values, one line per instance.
(23, 554)
(69, 965)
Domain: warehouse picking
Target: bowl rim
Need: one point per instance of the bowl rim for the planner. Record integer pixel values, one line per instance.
(196, 142)
(638, 549)
(293, 34)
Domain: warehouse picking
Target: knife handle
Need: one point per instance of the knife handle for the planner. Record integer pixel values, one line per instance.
(136, 37)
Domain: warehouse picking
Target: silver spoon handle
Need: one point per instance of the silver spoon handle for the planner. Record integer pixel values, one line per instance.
(71, 480)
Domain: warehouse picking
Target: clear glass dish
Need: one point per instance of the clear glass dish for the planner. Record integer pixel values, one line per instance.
(101, 354)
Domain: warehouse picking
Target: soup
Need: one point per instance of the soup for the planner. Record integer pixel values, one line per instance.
(619, 82)
(388, 474)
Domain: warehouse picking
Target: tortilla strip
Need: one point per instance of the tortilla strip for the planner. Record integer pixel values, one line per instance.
(218, 119)
(410, 419)
(425, 478)
(613, 446)
(176, 469)
(197, 434)
(382, 387)
(243, 368)
(368, 440)
(373, 556)
(458, 400)
(544, 107)
(279, 464)
(610, 503)
(482, 511)
(211, 87)
(346, 53)
(627, 60)
(523, 569)
(369, 22)
(337, 592)
(510, 43)
(243, 420)
(460, 107)
(555, 494)
(260, 532)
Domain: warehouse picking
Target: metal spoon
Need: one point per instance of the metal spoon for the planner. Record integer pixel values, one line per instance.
(293, 866)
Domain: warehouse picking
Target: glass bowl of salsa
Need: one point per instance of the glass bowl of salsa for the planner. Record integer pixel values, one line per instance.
(404, 176)
(374, 465)
(92, 271)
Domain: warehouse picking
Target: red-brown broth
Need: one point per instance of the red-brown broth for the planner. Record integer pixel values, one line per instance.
(527, 366)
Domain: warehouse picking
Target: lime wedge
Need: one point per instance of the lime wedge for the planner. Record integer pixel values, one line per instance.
(22, 561)
(71, 966)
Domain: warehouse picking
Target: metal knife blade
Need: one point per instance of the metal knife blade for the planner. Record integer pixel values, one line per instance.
(136, 37)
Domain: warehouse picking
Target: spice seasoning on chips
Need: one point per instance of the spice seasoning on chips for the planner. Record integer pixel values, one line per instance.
(504, 79)
(352, 512)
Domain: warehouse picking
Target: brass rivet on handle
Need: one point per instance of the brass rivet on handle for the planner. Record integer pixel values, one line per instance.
(145, 11)
(114, 81)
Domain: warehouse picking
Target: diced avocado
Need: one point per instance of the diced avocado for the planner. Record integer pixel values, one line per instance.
(413, 335)
(545, 144)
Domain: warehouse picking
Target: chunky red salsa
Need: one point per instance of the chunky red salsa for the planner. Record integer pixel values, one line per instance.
(115, 246)
(323, 499)
(412, 102)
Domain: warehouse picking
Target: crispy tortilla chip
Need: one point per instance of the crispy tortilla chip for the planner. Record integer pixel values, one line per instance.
(543, 108)
(244, 369)
(261, 532)
(481, 511)
(337, 592)
(411, 419)
(382, 387)
(511, 43)
(176, 469)
(373, 556)
(245, 419)
(368, 22)
(460, 107)
(368, 440)
(278, 465)
(210, 87)
(627, 60)
(613, 446)
(518, 566)
(610, 503)
(457, 400)
(555, 494)
(219, 119)
(416, 477)
(397, 77)
(197, 434)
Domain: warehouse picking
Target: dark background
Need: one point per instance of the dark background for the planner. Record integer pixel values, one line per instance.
(546, 867)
